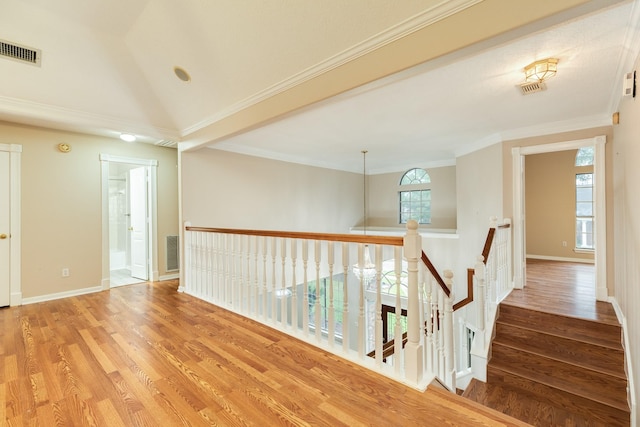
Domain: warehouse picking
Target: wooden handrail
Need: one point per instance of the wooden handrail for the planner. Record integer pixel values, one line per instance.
(485, 255)
(435, 274)
(350, 238)
(469, 298)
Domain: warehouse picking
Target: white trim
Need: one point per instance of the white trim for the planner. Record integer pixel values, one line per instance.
(559, 258)
(152, 168)
(631, 390)
(519, 242)
(422, 20)
(60, 295)
(173, 276)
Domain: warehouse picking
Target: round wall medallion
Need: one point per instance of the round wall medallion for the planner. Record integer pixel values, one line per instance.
(65, 148)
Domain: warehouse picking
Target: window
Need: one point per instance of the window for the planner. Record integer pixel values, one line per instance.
(584, 211)
(415, 196)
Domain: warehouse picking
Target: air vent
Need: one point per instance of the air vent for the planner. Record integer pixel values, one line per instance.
(20, 53)
(173, 253)
(166, 143)
(534, 87)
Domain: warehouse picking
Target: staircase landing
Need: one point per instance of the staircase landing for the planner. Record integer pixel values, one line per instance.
(557, 357)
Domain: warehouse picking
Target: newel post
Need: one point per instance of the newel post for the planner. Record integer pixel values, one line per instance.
(449, 353)
(481, 309)
(414, 357)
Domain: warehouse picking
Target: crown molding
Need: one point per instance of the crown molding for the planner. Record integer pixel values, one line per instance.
(417, 22)
(78, 121)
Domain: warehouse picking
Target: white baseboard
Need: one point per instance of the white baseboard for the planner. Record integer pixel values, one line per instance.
(16, 299)
(169, 277)
(631, 396)
(565, 259)
(59, 295)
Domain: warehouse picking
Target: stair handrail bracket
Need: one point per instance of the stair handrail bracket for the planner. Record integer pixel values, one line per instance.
(338, 292)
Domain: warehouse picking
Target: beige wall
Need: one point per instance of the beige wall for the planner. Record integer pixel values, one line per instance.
(626, 231)
(383, 198)
(229, 190)
(62, 208)
(550, 204)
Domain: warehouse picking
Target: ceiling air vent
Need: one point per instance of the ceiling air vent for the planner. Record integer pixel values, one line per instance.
(532, 87)
(20, 53)
(166, 143)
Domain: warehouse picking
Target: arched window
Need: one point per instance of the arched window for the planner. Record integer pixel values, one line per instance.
(584, 156)
(415, 196)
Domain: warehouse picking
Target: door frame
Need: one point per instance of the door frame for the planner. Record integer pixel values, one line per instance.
(152, 203)
(519, 225)
(15, 238)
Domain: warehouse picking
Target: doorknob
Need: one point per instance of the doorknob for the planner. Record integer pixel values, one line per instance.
(3, 236)
(130, 228)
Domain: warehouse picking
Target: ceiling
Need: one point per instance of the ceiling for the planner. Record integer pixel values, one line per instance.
(107, 67)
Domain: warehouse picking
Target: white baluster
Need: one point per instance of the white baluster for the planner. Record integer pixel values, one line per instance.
(264, 278)
(305, 295)
(441, 297)
(256, 284)
(283, 289)
(331, 315)
(294, 285)
(481, 306)
(317, 308)
(378, 322)
(248, 281)
(397, 334)
(449, 359)
(209, 267)
(345, 300)
(274, 300)
(188, 259)
(429, 324)
(361, 322)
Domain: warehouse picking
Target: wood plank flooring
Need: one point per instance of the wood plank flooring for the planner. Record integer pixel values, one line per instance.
(564, 288)
(146, 355)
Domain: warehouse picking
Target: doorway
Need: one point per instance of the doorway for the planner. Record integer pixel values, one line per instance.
(129, 220)
(599, 214)
(10, 287)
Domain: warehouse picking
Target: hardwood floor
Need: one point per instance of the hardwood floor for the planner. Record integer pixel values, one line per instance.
(146, 355)
(562, 288)
(557, 358)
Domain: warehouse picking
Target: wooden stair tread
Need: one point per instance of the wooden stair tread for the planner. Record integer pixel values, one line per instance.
(589, 384)
(541, 405)
(603, 334)
(587, 355)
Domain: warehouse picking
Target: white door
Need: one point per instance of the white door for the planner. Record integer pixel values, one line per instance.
(5, 246)
(139, 225)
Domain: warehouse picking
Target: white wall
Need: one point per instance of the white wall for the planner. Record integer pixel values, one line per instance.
(229, 190)
(626, 177)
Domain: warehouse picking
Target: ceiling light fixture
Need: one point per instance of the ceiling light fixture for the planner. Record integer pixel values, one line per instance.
(541, 70)
(365, 270)
(127, 137)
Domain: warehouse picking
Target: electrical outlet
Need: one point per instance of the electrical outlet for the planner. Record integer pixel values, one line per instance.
(564, 244)
(65, 272)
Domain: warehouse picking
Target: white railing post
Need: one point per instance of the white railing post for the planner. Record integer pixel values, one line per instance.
(449, 354)
(414, 358)
(345, 300)
(188, 261)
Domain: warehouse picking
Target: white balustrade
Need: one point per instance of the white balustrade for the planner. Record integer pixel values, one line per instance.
(338, 306)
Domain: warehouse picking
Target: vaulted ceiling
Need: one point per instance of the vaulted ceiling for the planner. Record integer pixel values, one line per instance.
(315, 82)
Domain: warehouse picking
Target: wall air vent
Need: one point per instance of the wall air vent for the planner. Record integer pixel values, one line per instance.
(20, 53)
(173, 253)
(532, 87)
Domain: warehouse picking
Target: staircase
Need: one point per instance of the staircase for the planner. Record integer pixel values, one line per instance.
(548, 369)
